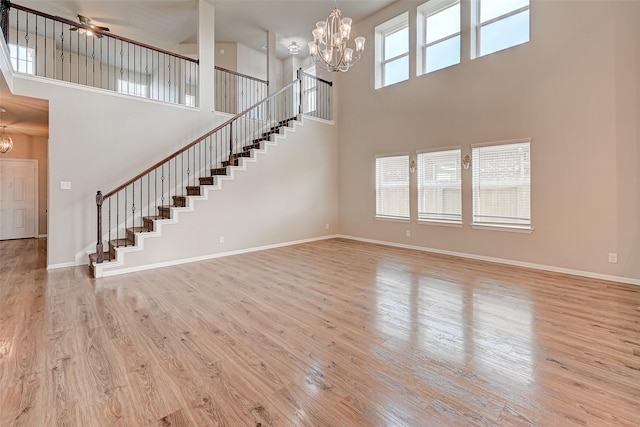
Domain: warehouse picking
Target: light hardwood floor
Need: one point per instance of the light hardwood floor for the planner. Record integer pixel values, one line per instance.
(332, 333)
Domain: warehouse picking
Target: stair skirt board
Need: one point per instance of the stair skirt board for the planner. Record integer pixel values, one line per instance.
(100, 272)
(104, 269)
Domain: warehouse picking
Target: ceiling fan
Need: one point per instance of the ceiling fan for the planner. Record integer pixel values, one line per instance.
(87, 27)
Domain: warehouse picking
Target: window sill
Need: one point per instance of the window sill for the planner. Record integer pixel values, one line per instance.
(383, 218)
(440, 223)
(511, 229)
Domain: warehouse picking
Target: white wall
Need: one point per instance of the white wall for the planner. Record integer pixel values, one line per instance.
(574, 89)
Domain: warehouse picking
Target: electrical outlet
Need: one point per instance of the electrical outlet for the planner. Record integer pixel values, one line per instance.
(326, 226)
(613, 257)
(408, 233)
(65, 185)
(221, 239)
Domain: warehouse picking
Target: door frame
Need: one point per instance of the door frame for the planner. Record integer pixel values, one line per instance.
(36, 219)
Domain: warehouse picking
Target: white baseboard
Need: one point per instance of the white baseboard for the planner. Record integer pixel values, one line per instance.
(61, 265)
(589, 274)
(42, 236)
(107, 273)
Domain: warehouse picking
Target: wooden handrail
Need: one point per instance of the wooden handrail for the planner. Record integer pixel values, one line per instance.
(235, 73)
(206, 135)
(104, 33)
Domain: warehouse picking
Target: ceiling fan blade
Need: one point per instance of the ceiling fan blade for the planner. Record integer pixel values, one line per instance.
(99, 28)
(73, 28)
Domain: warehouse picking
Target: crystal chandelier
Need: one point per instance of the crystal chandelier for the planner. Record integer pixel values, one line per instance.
(6, 143)
(329, 45)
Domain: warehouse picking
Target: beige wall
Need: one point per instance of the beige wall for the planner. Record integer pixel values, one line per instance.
(33, 147)
(573, 89)
(282, 197)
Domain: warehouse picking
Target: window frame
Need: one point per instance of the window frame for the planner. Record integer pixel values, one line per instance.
(477, 25)
(419, 155)
(28, 61)
(503, 226)
(426, 10)
(382, 31)
(380, 214)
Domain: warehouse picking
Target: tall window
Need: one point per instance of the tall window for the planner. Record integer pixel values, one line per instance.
(439, 35)
(499, 24)
(21, 58)
(392, 187)
(440, 186)
(309, 90)
(392, 51)
(502, 184)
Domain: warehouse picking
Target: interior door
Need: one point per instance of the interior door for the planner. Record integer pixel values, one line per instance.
(18, 202)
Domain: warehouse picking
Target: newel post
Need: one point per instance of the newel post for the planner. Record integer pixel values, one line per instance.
(99, 250)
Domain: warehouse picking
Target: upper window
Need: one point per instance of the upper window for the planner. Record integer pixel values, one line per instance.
(438, 35)
(392, 187)
(502, 184)
(499, 24)
(440, 186)
(392, 51)
(21, 58)
(132, 88)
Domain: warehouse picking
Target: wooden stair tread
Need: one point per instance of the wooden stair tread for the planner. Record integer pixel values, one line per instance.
(94, 257)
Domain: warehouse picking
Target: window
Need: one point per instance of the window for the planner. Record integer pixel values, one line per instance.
(190, 96)
(21, 58)
(439, 35)
(499, 24)
(309, 92)
(392, 187)
(439, 186)
(132, 88)
(392, 51)
(502, 184)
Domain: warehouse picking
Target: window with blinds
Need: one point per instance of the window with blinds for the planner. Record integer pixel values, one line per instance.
(502, 184)
(392, 187)
(440, 186)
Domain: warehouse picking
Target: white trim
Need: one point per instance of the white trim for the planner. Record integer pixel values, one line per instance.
(42, 236)
(389, 219)
(382, 156)
(506, 142)
(562, 270)
(440, 223)
(211, 256)
(436, 149)
(61, 265)
(512, 229)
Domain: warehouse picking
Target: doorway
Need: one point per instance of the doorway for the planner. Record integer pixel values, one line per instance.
(18, 199)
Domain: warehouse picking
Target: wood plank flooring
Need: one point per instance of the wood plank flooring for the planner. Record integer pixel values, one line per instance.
(332, 333)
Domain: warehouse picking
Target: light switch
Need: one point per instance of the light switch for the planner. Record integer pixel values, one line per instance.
(65, 185)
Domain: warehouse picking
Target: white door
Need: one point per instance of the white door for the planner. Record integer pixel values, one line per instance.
(18, 202)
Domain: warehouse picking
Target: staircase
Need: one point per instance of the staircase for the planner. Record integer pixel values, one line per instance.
(180, 201)
(138, 209)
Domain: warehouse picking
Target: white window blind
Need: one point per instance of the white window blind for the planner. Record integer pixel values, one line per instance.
(392, 187)
(440, 186)
(502, 185)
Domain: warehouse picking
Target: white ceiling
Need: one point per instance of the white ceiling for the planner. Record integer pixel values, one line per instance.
(168, 23)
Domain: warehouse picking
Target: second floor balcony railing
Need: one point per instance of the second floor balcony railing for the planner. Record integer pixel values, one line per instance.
(53, 47)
